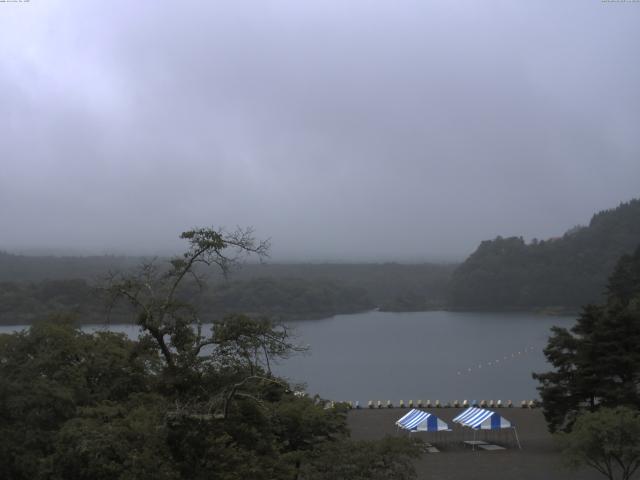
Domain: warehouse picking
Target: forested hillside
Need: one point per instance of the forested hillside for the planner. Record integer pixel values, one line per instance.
(33, 287)
(391, 286)
(22, 268)
(560, 273)
(23, 303)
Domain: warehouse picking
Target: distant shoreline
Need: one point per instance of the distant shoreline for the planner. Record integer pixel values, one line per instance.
(306, 317)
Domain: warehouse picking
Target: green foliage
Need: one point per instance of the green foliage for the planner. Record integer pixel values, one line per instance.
(32, 268)
(124, 440)
(179, 403)
(27, 302)
(389, 459)
(597, 362)
(562, 273)
(251, 342)
(98, 406)
(33, 287)
(303, 423)
(607, 440)
(47, 374)
(283, 298)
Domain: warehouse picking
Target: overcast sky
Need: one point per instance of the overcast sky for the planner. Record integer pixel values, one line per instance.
(363, 130)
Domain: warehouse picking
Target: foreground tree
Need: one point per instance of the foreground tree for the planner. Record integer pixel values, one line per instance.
(123, 440)
(49, 374)
(390, 458)
(154, 292)
(179, 402)
(207, 370)
(607, 440)
(597, 362)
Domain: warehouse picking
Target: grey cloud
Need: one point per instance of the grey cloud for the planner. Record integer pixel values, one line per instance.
(343, 130)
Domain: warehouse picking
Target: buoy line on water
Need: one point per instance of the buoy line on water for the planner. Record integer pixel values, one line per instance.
(498, 361)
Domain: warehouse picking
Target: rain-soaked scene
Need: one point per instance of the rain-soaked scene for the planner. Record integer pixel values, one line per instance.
(319, 240)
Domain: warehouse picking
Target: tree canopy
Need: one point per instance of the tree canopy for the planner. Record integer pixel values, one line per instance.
(607, 440)
(597, 362)
(181, 402)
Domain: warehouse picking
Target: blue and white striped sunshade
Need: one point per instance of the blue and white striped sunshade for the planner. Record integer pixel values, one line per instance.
(420, 421)
(482, 419)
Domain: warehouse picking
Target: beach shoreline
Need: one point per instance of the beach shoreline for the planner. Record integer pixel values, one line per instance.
(539, 458)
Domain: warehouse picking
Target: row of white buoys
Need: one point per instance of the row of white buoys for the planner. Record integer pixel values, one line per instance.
(438, 404)
(498, 361)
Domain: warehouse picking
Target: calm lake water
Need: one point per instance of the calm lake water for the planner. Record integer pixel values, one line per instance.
(422, 355)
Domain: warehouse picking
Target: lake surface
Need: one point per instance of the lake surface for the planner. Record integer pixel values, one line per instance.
(422, 355)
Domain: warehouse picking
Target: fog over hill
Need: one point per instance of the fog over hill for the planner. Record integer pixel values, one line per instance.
(559, 273)
(344, 131)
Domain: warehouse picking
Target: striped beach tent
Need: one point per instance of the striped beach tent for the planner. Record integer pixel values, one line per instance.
(469, 412)
(483, 419)
(420, 421)
(488, 420)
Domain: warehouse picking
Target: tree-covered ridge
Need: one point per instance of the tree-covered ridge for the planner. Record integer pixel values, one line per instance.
(564, 273)
(33, 287)
(286, 298)
(36, 268)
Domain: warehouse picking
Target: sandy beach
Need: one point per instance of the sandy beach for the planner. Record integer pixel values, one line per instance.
(538, 460)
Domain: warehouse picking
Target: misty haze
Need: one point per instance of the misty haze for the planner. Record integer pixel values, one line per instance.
(319, 240)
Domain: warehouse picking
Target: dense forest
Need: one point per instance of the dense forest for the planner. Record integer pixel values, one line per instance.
(557, 274)
(33, 287)
(36, 268)
(23, 303)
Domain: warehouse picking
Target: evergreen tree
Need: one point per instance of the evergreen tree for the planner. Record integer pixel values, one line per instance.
(597, 362)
